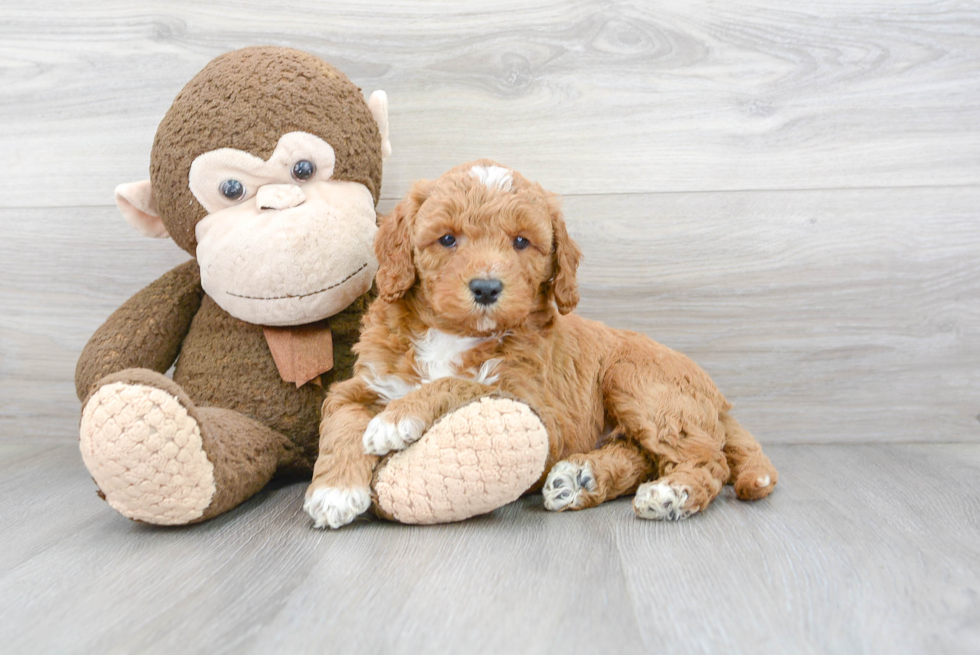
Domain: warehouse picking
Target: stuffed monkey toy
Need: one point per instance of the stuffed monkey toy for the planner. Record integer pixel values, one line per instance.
(266, 170)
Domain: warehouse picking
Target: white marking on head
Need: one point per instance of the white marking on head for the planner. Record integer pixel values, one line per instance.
(494, 177)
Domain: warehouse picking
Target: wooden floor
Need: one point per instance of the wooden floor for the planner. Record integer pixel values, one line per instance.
(787, 192)
(864, 549)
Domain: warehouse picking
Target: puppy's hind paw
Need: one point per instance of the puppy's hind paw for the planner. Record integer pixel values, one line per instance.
(382, 436)
(753, 484)
(567, 485)
(661, 502)
(336, 508)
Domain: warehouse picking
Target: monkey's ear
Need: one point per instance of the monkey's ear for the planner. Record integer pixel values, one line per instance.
(379, 109)
(135, 201)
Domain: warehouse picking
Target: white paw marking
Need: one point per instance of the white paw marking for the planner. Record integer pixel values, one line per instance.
(661, 502)
(337, 507)
(381, 436)
(566, 484)
(494, 177)
(763, 482)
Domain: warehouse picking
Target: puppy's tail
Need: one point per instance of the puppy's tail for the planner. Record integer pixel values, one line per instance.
(752, 473)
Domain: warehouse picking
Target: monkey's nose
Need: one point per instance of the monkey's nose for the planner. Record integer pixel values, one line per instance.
(485, 292)
(279, 196)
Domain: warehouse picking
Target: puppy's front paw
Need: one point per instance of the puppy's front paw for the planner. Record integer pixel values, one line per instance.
(337, 507)
(566, 485)
(661, 502)
(383, 436)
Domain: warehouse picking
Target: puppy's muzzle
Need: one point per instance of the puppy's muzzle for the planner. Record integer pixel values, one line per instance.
(486, 292)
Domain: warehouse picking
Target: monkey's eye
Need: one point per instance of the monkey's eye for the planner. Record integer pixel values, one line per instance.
(232, 189)
(447, 240)
(303, 170)
(520, 243)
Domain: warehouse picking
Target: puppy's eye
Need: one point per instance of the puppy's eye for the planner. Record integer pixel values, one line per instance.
(447, 240)
(232, 189)
(303, 170)
(520, 243)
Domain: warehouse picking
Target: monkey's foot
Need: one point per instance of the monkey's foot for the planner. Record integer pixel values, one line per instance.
(146, 454)
(470, 462)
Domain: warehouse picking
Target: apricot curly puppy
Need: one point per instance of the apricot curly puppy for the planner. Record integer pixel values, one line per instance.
(476, 284)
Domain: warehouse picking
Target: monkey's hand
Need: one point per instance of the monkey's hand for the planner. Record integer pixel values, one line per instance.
(145, 332)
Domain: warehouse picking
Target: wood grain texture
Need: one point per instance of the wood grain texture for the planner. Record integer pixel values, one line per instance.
(861, 549)
(849, 315)
(787, 193)
(826, 316)
(587, 96)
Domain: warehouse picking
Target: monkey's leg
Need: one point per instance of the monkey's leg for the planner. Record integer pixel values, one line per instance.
(157, 458)
(465, 449)
(588, 479)
(473, 460)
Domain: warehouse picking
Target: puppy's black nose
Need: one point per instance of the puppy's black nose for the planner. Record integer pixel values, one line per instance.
(486, 292)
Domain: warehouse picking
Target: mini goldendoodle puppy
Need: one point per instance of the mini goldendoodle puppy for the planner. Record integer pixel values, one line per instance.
(477, 282)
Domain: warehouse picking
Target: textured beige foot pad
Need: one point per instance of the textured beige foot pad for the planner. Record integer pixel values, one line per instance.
(145, 452)
(472, 461)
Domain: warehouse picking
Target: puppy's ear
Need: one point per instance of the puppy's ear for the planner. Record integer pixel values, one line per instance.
(393, 244)
(566, 256)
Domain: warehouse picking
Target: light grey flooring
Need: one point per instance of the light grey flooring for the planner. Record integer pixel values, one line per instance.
(787, 192)
(871, 549)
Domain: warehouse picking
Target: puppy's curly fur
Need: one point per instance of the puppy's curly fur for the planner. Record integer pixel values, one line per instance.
(622, 411)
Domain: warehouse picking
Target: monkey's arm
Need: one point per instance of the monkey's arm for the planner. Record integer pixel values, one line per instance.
(146, 331)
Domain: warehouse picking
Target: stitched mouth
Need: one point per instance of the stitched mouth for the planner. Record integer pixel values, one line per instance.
(300, 295)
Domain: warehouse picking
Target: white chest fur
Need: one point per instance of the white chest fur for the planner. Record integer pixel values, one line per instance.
(437, 355)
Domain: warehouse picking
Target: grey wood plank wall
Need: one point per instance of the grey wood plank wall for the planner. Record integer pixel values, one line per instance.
(788, 193)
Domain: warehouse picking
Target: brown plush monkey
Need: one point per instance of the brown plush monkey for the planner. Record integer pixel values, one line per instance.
(267, 170)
